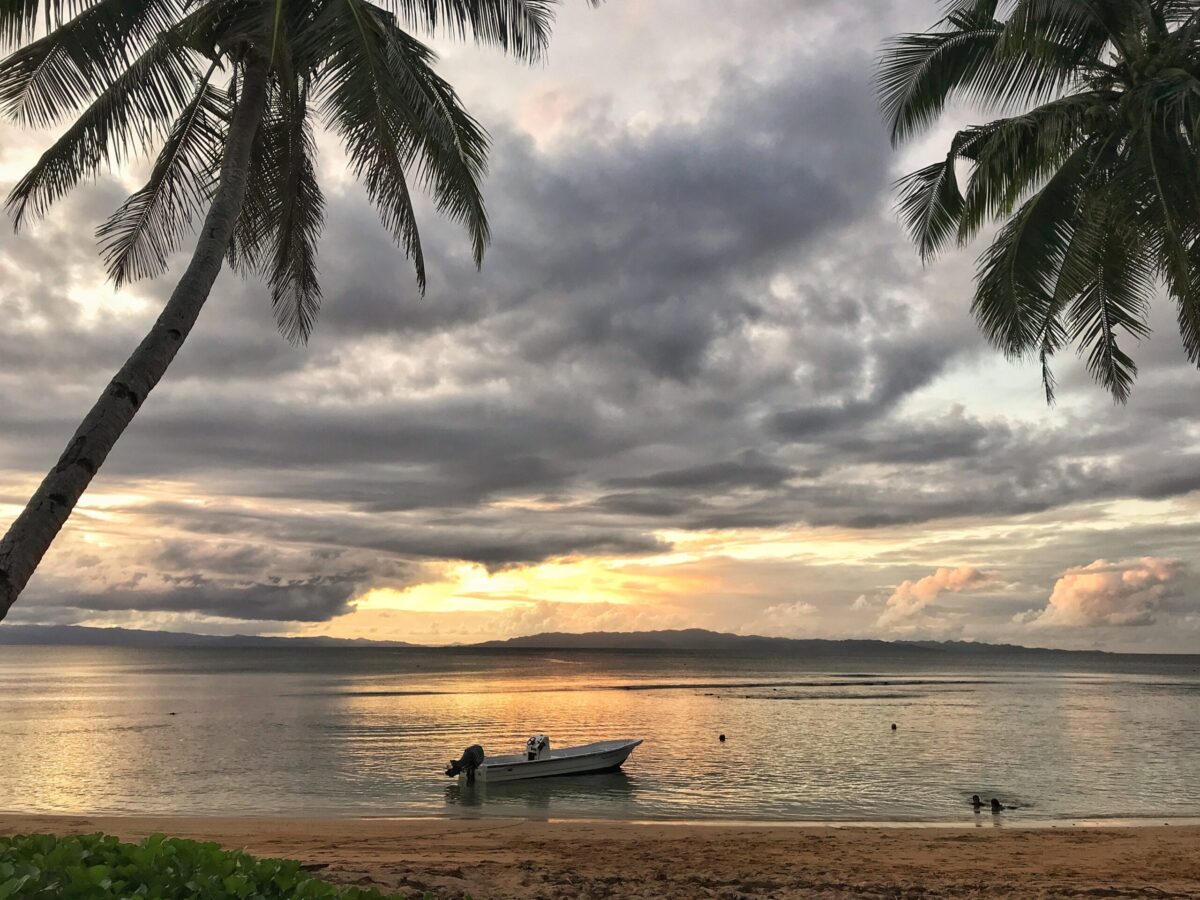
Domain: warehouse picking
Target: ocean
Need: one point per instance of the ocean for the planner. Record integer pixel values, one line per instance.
(366, 732)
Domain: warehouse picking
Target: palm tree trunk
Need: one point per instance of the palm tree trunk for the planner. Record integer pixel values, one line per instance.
(35, 528)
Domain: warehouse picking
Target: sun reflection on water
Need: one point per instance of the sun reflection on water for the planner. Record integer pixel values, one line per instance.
(367, 732)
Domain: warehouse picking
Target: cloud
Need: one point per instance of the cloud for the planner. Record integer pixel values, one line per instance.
(905, 608)
(1124, 593)
(795, 619)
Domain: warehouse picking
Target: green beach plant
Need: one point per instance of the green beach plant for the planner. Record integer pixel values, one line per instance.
(98, 866)
(230, 91)
(1094, 179)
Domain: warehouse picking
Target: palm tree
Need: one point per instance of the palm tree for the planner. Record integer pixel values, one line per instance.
(230, 91)
(1095, 180)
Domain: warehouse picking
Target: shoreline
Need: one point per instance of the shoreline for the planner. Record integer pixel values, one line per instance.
(501, 858)
(984, 819)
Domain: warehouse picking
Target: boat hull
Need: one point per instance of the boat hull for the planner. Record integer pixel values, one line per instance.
(607, 756)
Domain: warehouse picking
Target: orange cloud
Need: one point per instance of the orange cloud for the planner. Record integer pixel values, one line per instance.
(1103, 593)
(906, 606)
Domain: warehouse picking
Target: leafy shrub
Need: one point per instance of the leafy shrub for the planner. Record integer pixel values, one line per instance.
(97, 866)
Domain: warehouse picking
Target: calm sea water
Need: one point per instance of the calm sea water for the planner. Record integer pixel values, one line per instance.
(366, 732)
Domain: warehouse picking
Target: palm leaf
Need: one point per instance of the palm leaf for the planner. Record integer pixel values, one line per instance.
(69, 67)
(1017, 273)
(397, 119)
(19, 20)
(520, 27)
(449, 146)
(122, 121)
(139, 237)
(977, 58)
(356, 100)
(1012, 157)
(1174, 212)
(931, 202)
(1115, 299)
(299, 216)
(918, 73)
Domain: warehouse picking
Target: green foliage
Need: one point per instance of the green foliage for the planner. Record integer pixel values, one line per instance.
(1095, 186)
(97, 866)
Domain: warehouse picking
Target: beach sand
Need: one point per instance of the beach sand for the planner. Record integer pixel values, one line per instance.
(499, 859)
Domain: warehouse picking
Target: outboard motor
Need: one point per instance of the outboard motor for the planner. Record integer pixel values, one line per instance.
(537, 747)
(471, 760)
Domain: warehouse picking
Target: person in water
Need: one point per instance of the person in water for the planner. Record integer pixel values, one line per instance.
(997, 806)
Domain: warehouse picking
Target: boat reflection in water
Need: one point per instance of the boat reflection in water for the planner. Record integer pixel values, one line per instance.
(566, 794)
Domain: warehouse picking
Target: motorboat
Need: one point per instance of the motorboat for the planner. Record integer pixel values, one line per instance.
(539, 761)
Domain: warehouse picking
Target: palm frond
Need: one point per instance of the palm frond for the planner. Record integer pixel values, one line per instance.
(520, 27)
(931, 202)
(299, 217)
(398, 120)
(1174, 219)
(1084, 25)
(918, 73)
(1012, 157)
(1116, 299)
(1028, 58)
(138, 238)
(69, 67)
(1077, 268)
(129, 115)
(1177, 12)
(20, 19)
(1017, 273)
(450, 147)
(357, 100)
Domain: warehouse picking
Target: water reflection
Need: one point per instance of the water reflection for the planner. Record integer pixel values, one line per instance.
(368, 732)
(546, 795)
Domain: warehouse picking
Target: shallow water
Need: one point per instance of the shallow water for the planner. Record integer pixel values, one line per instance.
(367, 732)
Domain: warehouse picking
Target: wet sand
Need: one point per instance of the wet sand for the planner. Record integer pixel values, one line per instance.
(507, 859)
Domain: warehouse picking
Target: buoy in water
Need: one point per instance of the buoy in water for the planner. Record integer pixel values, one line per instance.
(893, 726)
(721, 739)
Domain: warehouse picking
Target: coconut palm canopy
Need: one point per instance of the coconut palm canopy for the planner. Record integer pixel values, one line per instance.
(1094, 180)
(138, 74)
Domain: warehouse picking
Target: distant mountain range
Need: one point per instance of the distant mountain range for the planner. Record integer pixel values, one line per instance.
(701, 639)
(692, 639)
(79, 635)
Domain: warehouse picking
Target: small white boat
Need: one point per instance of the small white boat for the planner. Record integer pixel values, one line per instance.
(539, 761)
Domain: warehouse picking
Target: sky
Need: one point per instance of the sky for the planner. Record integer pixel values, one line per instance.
(702, 380)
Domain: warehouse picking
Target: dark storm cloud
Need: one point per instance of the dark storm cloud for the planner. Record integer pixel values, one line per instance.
(310, 600)
(899, 370)
(752, 469)
(494, 539)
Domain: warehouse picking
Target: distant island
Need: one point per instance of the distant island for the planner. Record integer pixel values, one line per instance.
(83, 636)
(683, 640)
(702, 639)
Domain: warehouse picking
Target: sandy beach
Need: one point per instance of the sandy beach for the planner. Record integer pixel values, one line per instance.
(506, 859)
